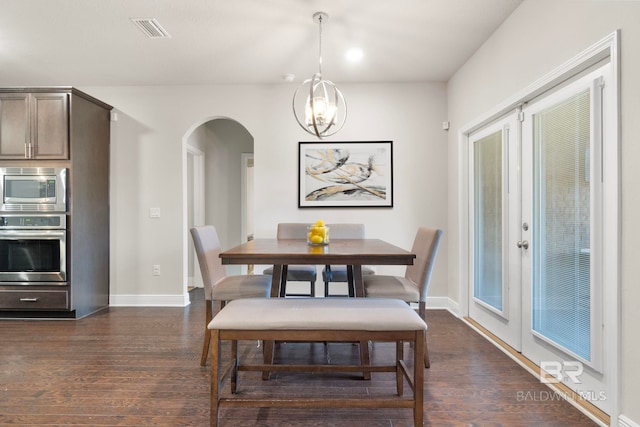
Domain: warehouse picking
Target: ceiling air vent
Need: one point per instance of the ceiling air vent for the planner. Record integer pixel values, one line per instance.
(151, 28)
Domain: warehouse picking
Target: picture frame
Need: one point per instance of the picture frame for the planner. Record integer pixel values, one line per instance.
(345, 174)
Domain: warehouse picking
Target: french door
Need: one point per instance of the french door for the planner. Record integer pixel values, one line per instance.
(537, 233)
(495, 301)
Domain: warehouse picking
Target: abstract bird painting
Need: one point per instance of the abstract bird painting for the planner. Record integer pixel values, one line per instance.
(346, 174)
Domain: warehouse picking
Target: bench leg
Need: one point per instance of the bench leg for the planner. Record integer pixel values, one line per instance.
(215, 377)
(418, 378)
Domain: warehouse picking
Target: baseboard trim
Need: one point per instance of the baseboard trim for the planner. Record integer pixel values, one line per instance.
(443, 303)
(180, 300)
(587, 408)
(626, 422)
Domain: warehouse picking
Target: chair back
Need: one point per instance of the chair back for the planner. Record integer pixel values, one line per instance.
(292, 230)
(425, 246)
(346, 231)
(207, 244)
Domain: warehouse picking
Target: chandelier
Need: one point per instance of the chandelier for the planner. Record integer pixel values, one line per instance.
(318, 105)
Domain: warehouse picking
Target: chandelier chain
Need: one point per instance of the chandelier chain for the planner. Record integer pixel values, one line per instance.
(320, 45)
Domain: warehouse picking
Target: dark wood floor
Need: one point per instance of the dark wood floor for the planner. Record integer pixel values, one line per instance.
(140, 367)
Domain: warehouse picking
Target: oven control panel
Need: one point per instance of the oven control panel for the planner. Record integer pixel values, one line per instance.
(33, 221)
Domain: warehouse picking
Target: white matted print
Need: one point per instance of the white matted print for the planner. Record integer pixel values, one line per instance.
(345, 174)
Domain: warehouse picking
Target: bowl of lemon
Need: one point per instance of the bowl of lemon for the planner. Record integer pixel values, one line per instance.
(318, 234)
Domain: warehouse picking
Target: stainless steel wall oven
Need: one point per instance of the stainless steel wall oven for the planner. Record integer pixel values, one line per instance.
(33, 249)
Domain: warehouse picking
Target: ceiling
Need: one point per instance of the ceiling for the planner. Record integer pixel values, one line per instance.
(94, 42)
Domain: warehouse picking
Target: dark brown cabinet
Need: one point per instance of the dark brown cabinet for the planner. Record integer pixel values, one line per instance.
(63, 127)
(34, 126)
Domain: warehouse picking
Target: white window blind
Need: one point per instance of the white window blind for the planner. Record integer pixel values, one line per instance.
(488, 214)
(561, 240)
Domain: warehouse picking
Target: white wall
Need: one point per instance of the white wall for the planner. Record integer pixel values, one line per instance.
(147, 170)
(538, 37)
(227, 141)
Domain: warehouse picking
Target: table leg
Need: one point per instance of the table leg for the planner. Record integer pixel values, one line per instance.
(351, 286)
(279, 274)
(283, 281)
(276, 279)
(358, 284)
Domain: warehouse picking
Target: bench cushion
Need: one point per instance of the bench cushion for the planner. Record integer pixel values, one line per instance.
(375, 314)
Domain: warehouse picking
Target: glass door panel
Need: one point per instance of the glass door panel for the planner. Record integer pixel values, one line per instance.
(561, 225)
(488, 224)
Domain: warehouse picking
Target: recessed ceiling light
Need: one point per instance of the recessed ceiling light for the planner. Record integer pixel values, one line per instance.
(354, 55)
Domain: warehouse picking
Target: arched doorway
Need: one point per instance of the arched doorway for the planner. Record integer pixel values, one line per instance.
(219, 187)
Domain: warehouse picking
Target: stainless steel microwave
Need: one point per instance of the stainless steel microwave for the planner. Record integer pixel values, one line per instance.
(32, 189)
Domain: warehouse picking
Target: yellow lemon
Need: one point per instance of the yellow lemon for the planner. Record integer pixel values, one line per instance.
(316, 239)
(320, 223)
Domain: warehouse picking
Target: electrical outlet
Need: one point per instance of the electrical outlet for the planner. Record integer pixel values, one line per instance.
(156, 269)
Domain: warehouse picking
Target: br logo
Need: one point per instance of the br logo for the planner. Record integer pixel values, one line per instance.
(552, 371)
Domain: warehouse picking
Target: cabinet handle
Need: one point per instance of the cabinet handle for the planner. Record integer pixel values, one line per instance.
(28, 299)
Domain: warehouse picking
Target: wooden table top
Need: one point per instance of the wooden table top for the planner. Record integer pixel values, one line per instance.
(338, 252)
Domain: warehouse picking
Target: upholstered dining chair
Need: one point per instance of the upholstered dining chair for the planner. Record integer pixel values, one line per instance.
(413, 286)
(295, 273)
(338, 273)
(217, 285)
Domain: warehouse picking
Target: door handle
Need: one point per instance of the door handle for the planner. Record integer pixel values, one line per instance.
(523, 244)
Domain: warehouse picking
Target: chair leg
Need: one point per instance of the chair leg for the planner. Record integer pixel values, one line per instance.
(207, 333)
(399, 375)
(427, 364)
(312, 289)
(365, 358)
(422, 312)
(268, 347)
(234, 362)
(326, 289)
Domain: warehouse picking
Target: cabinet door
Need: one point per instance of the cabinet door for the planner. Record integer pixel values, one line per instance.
(50, 126)
(14, 125)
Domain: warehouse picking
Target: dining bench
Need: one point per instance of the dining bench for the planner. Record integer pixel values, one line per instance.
(317, 320)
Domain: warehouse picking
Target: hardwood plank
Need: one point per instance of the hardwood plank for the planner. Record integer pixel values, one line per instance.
(140, 367)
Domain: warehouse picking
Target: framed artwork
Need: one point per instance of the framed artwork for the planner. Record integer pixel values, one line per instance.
(345, 174)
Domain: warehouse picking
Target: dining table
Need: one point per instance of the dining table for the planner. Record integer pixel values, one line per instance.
(353, 253)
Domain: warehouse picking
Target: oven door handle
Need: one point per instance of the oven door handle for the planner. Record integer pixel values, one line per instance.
(33, 234)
